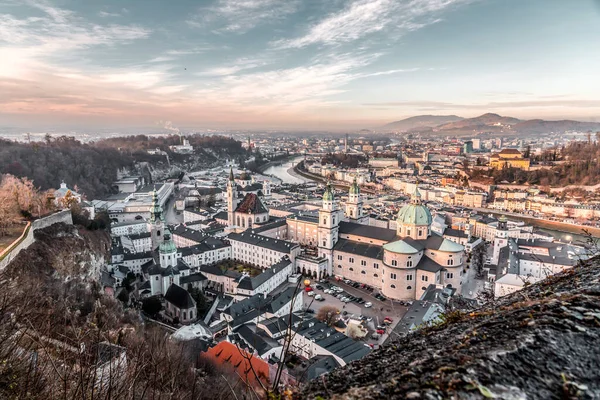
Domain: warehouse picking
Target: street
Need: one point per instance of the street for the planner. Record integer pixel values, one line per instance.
(171, 217)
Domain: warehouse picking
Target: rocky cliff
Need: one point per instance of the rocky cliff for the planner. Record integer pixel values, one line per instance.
(540, 343)
(63, 251)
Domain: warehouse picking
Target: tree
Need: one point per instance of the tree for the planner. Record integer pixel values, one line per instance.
(152, 305)
(328, 315)
(478, 258)
(201, 305)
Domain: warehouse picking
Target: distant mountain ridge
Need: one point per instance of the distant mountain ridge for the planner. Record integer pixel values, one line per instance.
(488, 122)
(421, 121)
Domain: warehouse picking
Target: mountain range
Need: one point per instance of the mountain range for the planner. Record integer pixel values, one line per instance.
(452, 124)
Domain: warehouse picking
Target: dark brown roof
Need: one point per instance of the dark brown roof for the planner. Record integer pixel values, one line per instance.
(251, 204)
(510, 151)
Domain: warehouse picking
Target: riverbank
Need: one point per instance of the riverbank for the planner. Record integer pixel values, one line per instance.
(261, 169)
(552, 225)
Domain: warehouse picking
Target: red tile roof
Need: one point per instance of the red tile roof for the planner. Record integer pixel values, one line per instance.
(251, 204)
(248, 367)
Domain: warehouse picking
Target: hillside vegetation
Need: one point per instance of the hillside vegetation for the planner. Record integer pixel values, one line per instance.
(92, 168)
(58, 331)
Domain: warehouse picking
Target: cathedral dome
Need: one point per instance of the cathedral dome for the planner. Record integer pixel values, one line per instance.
(415, 213)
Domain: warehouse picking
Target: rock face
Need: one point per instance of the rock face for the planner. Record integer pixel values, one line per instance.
(65, 252)
(540, 343)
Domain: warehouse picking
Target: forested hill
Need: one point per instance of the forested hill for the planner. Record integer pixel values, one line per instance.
(92, 168)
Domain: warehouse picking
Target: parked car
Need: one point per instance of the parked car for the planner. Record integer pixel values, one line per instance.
(311, 294)
(375, 336)
(310, 311)
(346, 300)
(317, 297)
(368, 304)
(381, 327)
(388, 319)
(319, 287)
(380, 331)
(308, 289)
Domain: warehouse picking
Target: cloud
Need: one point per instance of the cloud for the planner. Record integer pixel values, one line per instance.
(240, 16)
(105, 14)
(364, 17)
(161, 59)
(241, 64)
(60, 31)
(296, 87)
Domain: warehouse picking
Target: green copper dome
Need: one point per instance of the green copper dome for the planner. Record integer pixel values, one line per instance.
(328, 195)
(354, 189)
(415, 213)
(167, 246)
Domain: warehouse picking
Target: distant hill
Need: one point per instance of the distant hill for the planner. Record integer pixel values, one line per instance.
(541, 126)
(489, 122)
(420, 121)
(482, 121)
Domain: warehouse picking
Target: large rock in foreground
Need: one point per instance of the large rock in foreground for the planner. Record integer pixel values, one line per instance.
(540, 343)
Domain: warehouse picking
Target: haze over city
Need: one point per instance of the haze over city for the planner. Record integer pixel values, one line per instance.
(294, 64)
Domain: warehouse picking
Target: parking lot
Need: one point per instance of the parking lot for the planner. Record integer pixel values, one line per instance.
(377, 312)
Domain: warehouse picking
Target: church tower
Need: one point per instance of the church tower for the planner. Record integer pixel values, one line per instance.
(157, 221)
(501, 239)
(354, 206)
(168, 260)
(328, 226)
(232, 196)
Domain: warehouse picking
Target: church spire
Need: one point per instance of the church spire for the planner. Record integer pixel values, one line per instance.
(416, 196)
(156, 212)
(231, 173)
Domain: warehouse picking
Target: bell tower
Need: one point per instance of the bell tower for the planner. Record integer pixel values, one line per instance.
(354, 206)
(232, 196)
(328, 226)
(157, 221)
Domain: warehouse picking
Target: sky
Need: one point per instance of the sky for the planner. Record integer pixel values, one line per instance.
(294, 64)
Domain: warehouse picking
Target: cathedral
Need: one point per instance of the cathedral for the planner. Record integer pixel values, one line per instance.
(401, 263)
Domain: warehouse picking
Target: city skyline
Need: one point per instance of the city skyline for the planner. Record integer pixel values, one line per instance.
(294, 64)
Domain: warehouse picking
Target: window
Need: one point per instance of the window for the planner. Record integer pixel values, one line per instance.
(324, 221)
(363, 263)
(409, 277)
(450, 262)
(363, 272)
(351, 269)
(339, 266)
(424, 278)
(351, 260)
(409, 263)
(393, 286)
(375, 275)
(394, 263)
(408, 287)
(449, 275)
(324, 243)
(407, 232)
(340, 257)
(376, 266)
(393, 276)
(156, 278)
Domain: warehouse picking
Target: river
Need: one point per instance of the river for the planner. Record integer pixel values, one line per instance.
(283, 171)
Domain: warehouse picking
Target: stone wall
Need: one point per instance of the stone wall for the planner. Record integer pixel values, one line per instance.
(61, 216)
